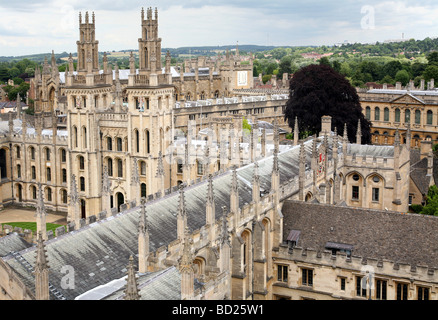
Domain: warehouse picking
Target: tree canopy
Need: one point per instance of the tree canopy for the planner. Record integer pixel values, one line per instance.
(318, 90)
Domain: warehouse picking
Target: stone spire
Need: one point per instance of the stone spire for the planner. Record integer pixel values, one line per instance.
(74, 203)
(106, 191)
(210, 209)
(296, 132)
(168, 60)
(302, 172)
(234, 195)
(186, 268)
(408, 136)
(344, 140)
(143, 239)
(182, 214)
(160, 171)
(41, 213)
(71, 66)
(131, 64)
(46, 68)
(131, 291)
(18, 106)
(41, 271)
(397, 138)
(359, 133)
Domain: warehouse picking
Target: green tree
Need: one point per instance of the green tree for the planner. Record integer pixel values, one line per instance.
(431, 72)
(432, 58)
(402, 76)
(318, 90)
(324, 61)
(431, 207)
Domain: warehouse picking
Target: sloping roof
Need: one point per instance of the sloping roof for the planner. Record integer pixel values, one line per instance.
(161, 285)
(419, 175)
(99, 252)
(12, 242)
(402, 238)
(370, 150)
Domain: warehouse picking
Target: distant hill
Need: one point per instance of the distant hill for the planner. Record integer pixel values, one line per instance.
(207, 50)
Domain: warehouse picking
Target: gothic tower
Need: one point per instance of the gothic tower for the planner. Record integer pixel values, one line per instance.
(87, 46)
(149, 45)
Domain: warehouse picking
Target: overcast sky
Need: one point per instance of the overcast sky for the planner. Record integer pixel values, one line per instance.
(38, 26)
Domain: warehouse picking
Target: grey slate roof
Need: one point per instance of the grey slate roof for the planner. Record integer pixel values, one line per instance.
(12, 242)
(402, 238)
(100, 251)
(160, 285)
(370, 150)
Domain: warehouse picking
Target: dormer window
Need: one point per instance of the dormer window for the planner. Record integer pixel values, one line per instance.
(335, 247)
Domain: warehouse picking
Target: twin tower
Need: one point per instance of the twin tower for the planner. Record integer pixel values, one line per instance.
(149, 45)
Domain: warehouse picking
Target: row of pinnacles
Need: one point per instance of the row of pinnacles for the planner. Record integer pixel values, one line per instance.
(214, 232)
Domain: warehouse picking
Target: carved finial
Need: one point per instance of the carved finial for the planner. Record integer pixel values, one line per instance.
(41, 257)
(225, 235)
(187, 259)
(210, 191)
(234, 181)
(182, 204)
(345, 136)
(131, 291)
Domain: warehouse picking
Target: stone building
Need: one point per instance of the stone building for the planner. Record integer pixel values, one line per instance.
(95, 125)
(194, 204)
(226, 236)
(400, 108)
(335, 253)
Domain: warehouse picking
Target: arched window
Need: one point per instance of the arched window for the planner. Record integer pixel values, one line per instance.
(429, 117)
(84, 137)
(143, 168)
(110, 167)
(82, 183)
(64, 196)
(49, 194)
(18, 171)
(408, 116)
(63, 155)
(137, 140)
(34, 192)
(417, 116)
(377, 114)
(32, 153)
(119, 144)
(49, 174)
(47, 154)
(17, 148)
(397, 115)
(109, 143)
(75, 136)
(64, 175)
(386, 114)
(120, 168)
(143, 190)
(81, 163)
(368, 113)
(148, 145)
(33, 172)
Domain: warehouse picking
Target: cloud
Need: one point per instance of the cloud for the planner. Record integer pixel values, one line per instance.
(43, 25)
